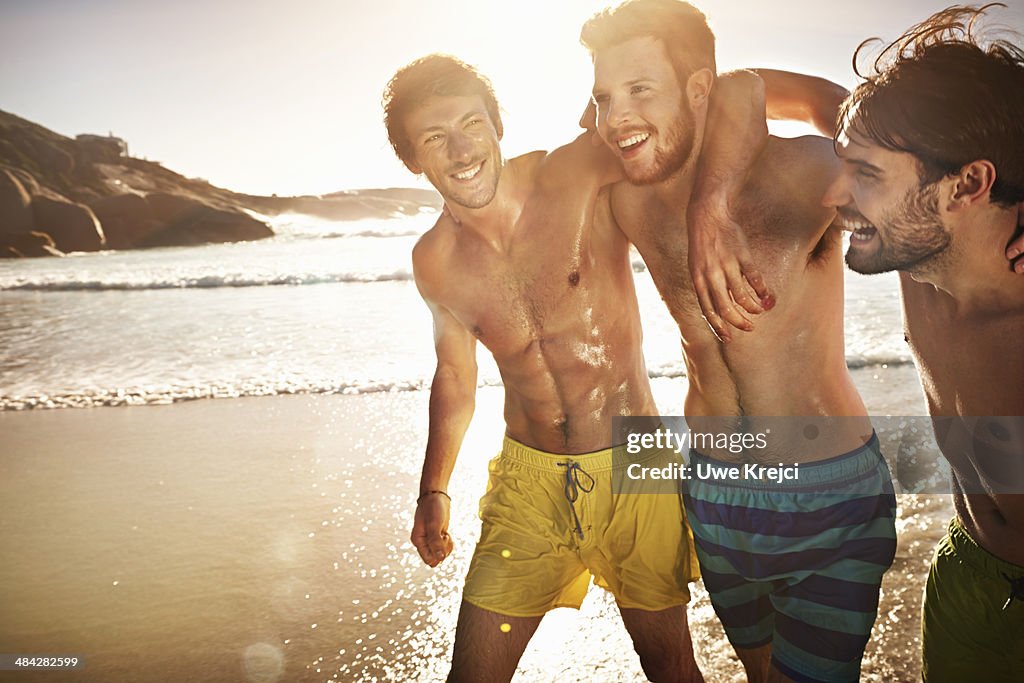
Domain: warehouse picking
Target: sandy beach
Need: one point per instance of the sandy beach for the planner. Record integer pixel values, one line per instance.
(265, 539)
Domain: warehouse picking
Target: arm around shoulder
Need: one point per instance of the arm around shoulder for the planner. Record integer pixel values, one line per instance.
(792, 96)
(726, 281)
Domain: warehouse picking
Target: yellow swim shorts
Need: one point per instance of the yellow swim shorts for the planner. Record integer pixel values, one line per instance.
(551, 521)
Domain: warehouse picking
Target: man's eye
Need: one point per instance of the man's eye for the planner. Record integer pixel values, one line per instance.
(599, 99)
(432, 138)
(866, 174)
(637, 89)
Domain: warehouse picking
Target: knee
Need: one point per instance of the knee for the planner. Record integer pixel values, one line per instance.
(670, 667)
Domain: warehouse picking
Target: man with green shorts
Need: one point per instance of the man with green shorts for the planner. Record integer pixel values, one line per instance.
(932, 146)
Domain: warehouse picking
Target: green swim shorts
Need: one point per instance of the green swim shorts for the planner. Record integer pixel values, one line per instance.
(968, 635)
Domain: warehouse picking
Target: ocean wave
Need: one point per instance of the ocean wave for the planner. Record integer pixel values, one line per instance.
(207, 282)
(346, 234)
(372, 233)
(167, 394)
(881, 360)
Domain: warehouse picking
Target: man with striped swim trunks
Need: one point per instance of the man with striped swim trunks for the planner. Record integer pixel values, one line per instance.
(654, 68)
(527, 260)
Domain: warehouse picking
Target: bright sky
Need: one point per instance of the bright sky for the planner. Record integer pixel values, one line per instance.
(281, 97)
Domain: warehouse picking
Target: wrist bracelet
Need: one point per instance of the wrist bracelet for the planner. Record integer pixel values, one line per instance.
(430, 493)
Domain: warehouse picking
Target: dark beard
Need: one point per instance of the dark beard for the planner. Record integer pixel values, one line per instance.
(912, 236)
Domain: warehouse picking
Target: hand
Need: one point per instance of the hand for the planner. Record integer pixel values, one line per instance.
(724, 277)
(1015, 251)
(430, 528)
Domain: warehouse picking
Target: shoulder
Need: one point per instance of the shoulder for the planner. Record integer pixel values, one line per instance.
(431, 254)
(581, 162)
(785, 189)
(795, 169)
(808, 156)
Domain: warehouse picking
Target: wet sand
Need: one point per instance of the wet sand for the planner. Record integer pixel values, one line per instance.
(265, 539)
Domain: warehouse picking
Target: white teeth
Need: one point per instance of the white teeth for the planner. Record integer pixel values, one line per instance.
(854, 225)
(469, 173)
(862, 236)
(628, 142)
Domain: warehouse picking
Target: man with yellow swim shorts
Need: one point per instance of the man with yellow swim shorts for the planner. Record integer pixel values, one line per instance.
(527, 260)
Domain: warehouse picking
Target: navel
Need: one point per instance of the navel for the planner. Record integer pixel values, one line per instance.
(563, 426)
(574, 278)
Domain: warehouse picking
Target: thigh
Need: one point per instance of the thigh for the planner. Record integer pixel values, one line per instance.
(662, 640)
(488, 645)
(822, 625)
(525, 562)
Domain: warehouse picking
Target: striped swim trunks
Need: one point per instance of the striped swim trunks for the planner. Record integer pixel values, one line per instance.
(798, 564)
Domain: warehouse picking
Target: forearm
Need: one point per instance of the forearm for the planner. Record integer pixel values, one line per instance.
(452, 400)
(799, 97)
(725, 279)
(735, 133)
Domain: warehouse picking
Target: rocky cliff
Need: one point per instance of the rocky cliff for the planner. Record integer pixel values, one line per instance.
(59, 194)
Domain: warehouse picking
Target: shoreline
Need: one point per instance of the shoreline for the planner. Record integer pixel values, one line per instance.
(874, 380)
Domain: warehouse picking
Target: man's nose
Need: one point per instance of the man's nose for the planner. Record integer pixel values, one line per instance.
(460, 147)
(837, 194)
(618, 111)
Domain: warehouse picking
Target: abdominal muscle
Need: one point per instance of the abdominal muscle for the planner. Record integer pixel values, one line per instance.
(559, 403)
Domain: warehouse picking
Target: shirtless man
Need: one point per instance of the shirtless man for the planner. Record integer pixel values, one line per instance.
(932, 147)
(527, 260)
(793, 574)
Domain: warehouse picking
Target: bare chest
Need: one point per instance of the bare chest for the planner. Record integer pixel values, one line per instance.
(529, 293)
(968, 366)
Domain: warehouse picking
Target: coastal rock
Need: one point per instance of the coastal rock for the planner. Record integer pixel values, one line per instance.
(51, 156)
(28, 244)
(126, 219)
(74, 227)
(27, 180)
(189, 221)
(15, 205)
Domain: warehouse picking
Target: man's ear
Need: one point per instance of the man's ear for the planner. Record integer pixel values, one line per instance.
(698, 87)
(972, 184)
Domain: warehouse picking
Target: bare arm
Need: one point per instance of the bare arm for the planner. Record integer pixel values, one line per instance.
(452, 400)
(799, 97)
(727, 283)
(725, 279)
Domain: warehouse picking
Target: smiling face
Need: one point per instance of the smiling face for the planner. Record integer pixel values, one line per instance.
(896, 223)
(456, 146)
(642, 110)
